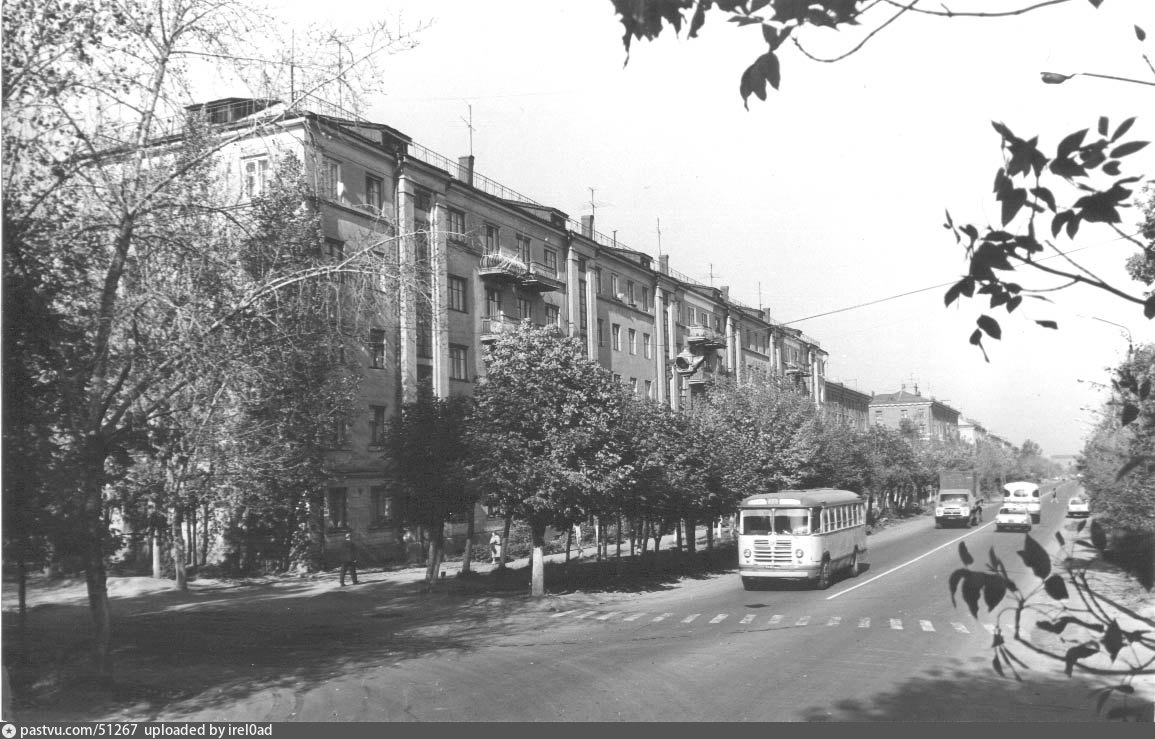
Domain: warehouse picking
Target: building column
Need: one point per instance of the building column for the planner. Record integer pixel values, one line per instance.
(573, 295)
(671, 352)
(660, 360)
(407, 298)
(439, 298)
(591, 298)
(732, 348)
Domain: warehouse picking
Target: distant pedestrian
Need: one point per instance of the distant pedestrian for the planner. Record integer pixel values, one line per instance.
(494, 548)
(349, 565)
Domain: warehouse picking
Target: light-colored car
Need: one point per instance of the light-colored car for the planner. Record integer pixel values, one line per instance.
(1013, 519)
(1078, 508)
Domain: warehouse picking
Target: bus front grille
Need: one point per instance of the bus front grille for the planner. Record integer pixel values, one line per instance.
(776, 552)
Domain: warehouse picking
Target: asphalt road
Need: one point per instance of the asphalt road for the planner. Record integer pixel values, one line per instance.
(887, 645)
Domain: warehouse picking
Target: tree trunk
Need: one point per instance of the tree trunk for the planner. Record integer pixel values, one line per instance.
(710, 537)
(568, 544)
(505, 543)
(679, 535)
(436, 553)
(537, 571)
(155, 544)
(205, 535)
(22, 595)
(180, 574)
(618, 531)
(692, 535)
(598, 533)
(95, 573)
(467, 555)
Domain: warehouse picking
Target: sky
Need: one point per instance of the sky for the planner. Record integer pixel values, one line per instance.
(823, 204)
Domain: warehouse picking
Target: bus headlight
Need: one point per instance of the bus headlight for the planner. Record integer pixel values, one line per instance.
(746, 553)
(798, 553)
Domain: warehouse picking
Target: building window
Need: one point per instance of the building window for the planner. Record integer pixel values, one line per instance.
(645, 298)
(256, 176)
(330, 185)
(376, 348)
(552, 316)
(422, 199)
(647, 346)
(649, 390)
(524, 308)
(634, 385)
(598, 275)
(613, 285)
(633, 336)
(551, 260)
(338, 432)
(424, 331)
(458, 366)
(456, 225)
(630, 292)
(616, 337)
(492, 303)
(457, 287)
(377, 425)
(601, 332)
(338, 500)
(490, 239)
(382, 504)
(522, 248)
(334, 250)
(617, 378)
(373, 192)
(581, 264)
(583, 309)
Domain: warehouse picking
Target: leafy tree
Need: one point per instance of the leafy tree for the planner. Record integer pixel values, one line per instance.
(541, 434)
(1096, 635)
(427, 452)
(113, 240)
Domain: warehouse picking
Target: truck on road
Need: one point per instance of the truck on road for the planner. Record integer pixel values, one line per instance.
(957, 502)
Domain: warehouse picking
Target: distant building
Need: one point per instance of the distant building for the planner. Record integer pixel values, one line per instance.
(971, 431)
(847, 407)
(931, 418)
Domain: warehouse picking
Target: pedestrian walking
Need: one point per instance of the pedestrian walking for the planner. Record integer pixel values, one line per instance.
(349, 565)
(495, 548)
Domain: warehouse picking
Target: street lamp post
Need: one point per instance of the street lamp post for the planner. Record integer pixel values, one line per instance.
(1054, 78)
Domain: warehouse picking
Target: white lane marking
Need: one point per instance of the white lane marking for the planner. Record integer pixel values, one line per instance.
(662, 617)
(775, 619)
(896, 568)
(926, 625)
(584, 615)
(607, 616)
(747, 619)
(690, 618)
(896, 624)
(864, 622)
(719, 618)
(563, 613)
(634, 617)
(960, 628)
(802, 621)
(834, 621)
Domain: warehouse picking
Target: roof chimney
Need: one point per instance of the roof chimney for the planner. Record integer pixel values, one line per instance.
(664, 263)
(465, 169)
(588, 226)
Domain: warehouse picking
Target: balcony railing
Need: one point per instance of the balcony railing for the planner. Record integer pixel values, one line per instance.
(493, 327)
(704, 337)
(502, 266)
(542, 278)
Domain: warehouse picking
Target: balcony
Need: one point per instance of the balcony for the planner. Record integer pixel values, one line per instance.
(498, 267)
(704, 337)
(492, 327)
(542, 278)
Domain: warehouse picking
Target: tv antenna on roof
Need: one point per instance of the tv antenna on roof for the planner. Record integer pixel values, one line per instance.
(469, 125)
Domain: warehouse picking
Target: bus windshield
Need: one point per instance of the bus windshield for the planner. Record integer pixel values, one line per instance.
(796, 521)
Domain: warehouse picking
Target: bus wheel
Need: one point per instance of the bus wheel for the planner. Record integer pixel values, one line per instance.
(823, 581)
(854, 564)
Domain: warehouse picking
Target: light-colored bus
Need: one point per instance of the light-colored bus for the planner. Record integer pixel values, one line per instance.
(800, 535)
(1023, 495)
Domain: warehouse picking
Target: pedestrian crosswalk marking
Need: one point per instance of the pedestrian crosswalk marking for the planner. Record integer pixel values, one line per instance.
(864, 622)
(563, 613)
(690, 618)
(607, 616)
(802, 621)
(834, 621)
(662, 617)
(747, 618)
(584, 614)
(775, 619)
(960, 628)
(926, 625)
(634, 616)
(719, 618)
(896, 624)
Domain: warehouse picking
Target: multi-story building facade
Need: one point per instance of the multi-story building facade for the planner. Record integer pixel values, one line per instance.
(931, 418)
(846, 406)
(473, 259)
